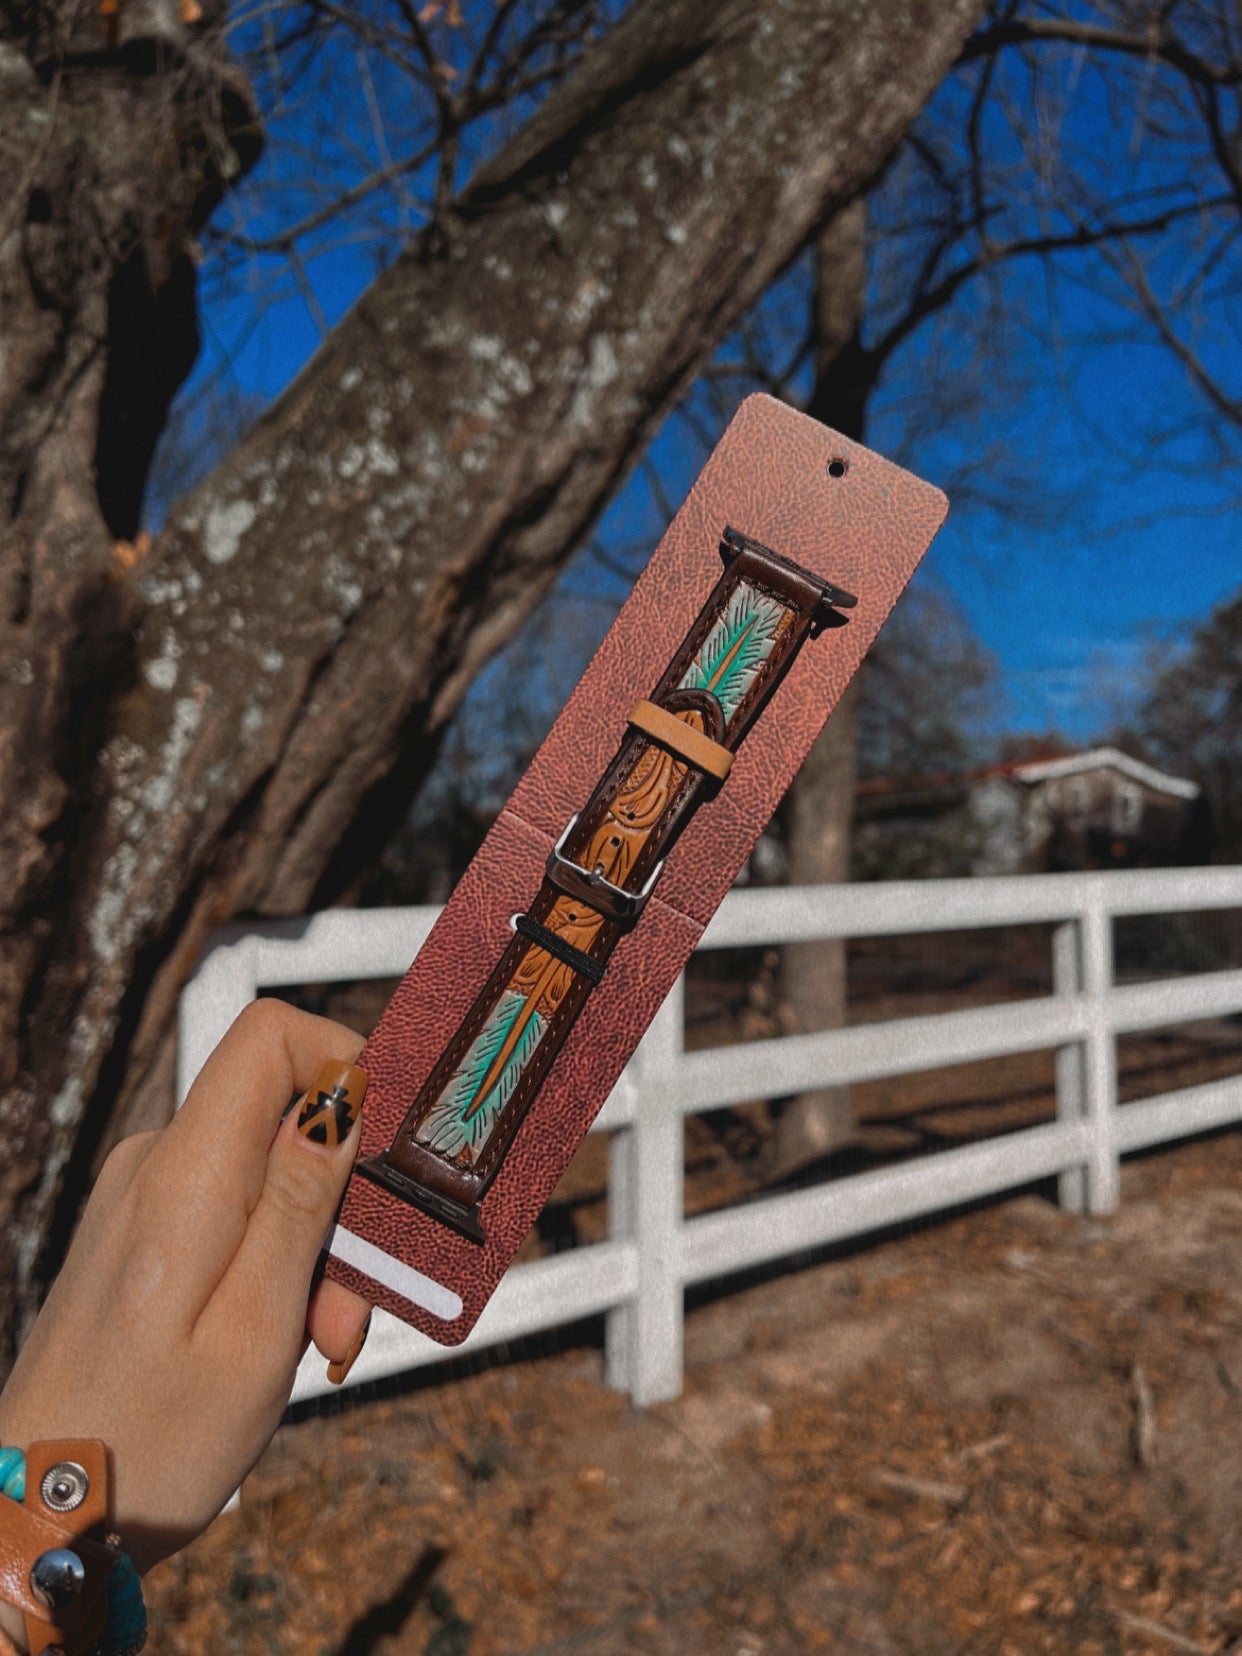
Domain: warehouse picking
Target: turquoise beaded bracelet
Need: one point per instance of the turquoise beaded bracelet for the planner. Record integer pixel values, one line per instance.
(125, 1632)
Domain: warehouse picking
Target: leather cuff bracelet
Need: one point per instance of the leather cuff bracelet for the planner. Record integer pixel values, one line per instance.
(55, 1547)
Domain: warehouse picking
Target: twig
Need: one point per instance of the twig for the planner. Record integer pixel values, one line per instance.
(922, 1489)
(977, 1451)
(1079, 1342)
(1153, 1630)
(999, 1527)
(1144, 1441)
(1156, 44)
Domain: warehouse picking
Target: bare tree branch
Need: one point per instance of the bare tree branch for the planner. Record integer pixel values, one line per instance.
(1225, 404)
(1156, 44)
(933, 298)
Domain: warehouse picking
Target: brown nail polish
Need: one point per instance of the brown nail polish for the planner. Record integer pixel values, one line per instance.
(338, 1371)
(331, 1106)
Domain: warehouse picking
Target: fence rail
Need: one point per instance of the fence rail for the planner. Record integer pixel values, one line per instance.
(638, 1276)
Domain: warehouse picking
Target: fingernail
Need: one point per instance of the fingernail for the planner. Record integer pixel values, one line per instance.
(331, 1106)
(338, 1371)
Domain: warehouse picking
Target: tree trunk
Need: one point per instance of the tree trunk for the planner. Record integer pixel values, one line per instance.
(316, 608)
(820, 807)
(113, 149)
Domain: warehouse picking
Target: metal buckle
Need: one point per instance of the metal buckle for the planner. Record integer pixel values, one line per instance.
(589, 887)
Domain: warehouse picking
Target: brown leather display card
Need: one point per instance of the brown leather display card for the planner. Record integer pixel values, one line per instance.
(587, 897)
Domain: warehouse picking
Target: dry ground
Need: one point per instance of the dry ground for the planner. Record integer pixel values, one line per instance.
(1013, 1431)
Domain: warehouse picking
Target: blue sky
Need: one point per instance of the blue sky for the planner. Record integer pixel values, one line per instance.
(1130, 554)
(1135, 553)
(1138, 557)
(1114, 532)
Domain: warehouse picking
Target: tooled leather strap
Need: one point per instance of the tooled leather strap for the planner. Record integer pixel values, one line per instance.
(36, 1525)
(673, 757)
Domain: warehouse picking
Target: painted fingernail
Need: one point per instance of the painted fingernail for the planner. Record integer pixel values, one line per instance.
(338, 1371)
(330, 1108)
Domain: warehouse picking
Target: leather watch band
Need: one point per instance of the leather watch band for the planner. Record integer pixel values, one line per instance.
(674, 757)
(474, 1108)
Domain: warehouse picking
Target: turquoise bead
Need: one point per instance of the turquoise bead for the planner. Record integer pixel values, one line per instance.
(127, 1614)
(13, 1473)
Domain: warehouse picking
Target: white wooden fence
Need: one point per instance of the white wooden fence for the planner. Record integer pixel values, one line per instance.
(639, 1274)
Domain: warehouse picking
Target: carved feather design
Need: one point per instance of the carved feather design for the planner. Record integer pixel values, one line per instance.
(459, 1122)
(738, 644)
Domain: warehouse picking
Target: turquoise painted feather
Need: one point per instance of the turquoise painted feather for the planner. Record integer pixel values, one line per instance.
(476, 1093)
(739, 643)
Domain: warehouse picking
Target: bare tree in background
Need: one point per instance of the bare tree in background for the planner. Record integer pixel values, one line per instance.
(251, 723)
(995, 181)
(1191, 719)
(820, 807)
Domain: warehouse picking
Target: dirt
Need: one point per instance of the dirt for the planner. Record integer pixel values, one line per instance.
(1010, 1432)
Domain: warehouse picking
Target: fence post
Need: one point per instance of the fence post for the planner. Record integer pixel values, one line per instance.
(1100, 1056)
(643, 1341)
(1071, 1060)
(620, 1322)
(221, 987)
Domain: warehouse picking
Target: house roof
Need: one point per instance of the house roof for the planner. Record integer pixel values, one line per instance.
(1106, 758)
(1027, 772)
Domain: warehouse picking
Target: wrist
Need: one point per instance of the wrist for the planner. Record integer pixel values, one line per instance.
(12, 1629)
(12, 1622)
(63, 1582)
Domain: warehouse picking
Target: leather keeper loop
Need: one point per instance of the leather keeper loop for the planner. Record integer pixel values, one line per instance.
(556, 946)
(686, 742)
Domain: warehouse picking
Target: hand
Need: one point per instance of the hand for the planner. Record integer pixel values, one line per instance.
(185, 1304)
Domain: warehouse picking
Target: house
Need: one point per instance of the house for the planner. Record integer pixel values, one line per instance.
(1098, 809)
(1102, 809)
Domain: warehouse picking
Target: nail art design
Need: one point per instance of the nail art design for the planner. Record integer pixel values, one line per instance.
(338, 1371)
(331, 1106)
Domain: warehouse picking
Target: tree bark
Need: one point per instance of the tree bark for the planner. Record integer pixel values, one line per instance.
(314, 611)
(820, 807)
(114, 148)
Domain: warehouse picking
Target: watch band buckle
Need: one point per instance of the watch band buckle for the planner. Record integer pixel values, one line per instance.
(592, 888)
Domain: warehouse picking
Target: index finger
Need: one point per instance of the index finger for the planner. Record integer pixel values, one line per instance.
(213, 1154)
